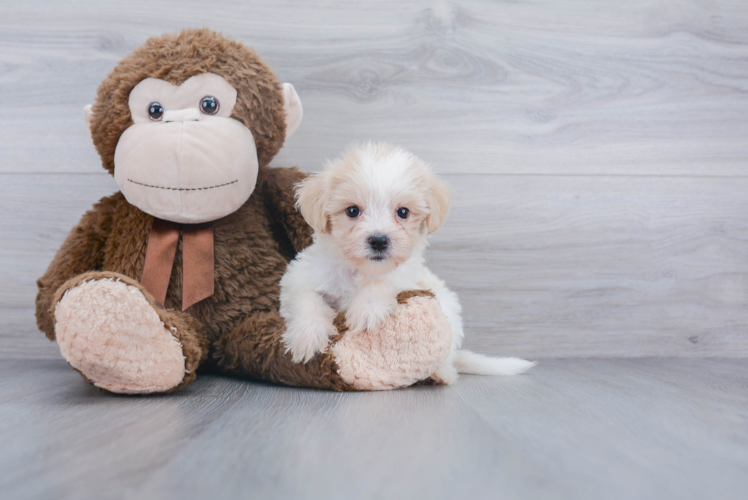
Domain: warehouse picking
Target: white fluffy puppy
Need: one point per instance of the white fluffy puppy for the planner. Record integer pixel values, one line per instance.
(371, 210)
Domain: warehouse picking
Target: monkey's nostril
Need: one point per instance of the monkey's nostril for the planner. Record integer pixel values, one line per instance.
(378, 242)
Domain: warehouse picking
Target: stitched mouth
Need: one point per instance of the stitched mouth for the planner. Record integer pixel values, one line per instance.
(183, 189)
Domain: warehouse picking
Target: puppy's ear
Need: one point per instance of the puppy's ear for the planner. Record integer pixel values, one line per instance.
(438, 200)
(311, 197)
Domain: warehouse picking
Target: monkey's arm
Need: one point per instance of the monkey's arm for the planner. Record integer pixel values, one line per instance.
(81, 252)
(278, 189)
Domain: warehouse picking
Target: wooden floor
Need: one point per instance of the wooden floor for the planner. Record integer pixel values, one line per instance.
(570, 429)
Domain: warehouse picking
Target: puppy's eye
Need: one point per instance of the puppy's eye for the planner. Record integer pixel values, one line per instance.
(209, 105)
(403, 212)
(155, 111)
(352, 212)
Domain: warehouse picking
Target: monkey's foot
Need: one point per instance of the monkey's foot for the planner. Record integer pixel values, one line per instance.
(107, 330)
(408, 348)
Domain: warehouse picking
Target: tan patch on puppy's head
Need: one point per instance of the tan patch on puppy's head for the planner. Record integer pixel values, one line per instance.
(311, 198)
(438, 200)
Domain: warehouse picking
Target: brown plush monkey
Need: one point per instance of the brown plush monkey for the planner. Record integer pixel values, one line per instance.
(181, 269)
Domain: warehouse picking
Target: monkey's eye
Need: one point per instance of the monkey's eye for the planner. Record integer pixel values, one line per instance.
(352, 212)
(155, 111)
(403, 212)
(209, 105)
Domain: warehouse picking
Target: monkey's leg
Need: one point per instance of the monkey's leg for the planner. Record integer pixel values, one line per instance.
(411, 345)
(254, 349)
(114, 334)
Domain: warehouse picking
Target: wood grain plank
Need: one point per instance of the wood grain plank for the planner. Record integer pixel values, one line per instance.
(37, 212)
(623, 266)
(569, 429)
(20, 339)
(546, 266)
(51, 412)
(476, 86)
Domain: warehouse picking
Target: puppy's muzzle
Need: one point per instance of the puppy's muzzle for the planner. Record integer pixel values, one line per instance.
(379, 243)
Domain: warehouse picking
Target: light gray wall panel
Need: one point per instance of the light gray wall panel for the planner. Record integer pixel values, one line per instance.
(597, 150)
(546, 266)
(481, 86)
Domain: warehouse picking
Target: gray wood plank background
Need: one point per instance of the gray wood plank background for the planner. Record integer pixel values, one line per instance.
(598, 150)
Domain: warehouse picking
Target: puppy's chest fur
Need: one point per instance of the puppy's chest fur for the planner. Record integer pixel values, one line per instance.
(346, 282)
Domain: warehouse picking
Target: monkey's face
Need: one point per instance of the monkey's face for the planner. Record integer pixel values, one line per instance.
(185, 159)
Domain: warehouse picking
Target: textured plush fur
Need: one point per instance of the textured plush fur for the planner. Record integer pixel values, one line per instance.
(238, 329)
(175, 58)
(252, 247)
(405, 359)
(129, 350)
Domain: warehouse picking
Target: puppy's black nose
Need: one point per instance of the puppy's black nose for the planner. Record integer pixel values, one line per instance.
(378, 242)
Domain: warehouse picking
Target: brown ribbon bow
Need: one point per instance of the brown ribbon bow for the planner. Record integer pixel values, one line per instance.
(197, 260)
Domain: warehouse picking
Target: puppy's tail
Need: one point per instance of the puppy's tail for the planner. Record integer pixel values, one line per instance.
(478, 364)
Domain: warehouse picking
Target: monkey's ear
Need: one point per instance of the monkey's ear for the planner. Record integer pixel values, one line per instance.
(87, 116)
(311, 200)
(438, 199)
(293, 109)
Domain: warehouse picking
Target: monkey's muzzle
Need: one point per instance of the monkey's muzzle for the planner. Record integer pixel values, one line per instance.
(188, 167)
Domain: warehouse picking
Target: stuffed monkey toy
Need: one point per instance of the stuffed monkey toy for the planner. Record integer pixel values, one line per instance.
(180, 269)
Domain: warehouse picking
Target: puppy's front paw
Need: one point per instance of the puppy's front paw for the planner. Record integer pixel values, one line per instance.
(362, 315)
(303, 342)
